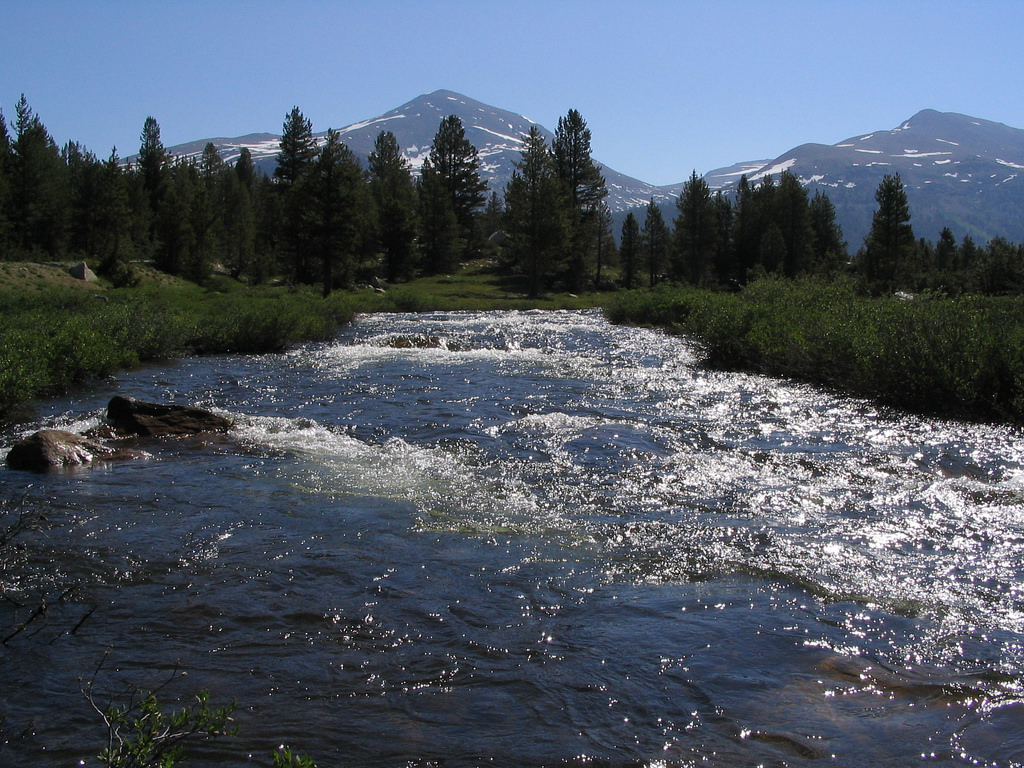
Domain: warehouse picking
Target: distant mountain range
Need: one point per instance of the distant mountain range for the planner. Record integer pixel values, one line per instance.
(958, 171)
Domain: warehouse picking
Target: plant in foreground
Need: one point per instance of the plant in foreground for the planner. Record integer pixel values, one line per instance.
(140, 734)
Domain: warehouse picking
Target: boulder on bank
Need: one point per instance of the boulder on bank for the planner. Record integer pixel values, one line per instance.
(129, 416)
(50, 448)
(81, 271)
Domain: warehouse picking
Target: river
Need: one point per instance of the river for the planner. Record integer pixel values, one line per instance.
(523, 539)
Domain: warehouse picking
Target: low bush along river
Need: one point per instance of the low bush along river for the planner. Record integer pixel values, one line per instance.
(534, 538)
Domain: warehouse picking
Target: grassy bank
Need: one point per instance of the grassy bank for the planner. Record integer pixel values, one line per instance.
(54, 335)
(959, 357)
(56, 331)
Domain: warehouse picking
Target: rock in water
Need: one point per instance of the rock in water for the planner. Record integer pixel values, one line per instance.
(135, 417)
(50, 448)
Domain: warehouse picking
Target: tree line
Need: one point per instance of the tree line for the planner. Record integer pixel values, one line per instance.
(776, 228)
(323, 219)
(320, 218)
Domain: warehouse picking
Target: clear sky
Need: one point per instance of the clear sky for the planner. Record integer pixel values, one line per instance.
(665, 87)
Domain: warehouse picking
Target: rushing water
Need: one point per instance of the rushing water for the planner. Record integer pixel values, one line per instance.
(528, 539)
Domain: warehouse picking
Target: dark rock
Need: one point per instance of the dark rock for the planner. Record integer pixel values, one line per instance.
(50, 448)
(135, 417)
(415, 342)
(81, 271)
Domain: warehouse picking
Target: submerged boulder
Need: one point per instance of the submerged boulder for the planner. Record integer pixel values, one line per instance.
(132, 417)
(129, 416)
(50, 448)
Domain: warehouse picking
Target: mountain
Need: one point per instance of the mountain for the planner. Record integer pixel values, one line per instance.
(496, 133)
(958, 172)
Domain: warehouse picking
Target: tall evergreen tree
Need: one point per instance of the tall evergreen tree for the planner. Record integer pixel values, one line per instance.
(456, 164)
(111, 222)
(211, 165)
(297, 148)
(154, 162)
(337, 209)
(793, 217)
(745, 235)
(769, 259)
(829, 246)
(39, 186)
(696, 231)
(5, 183)
(238, 225)
(83, 173)
(245, 170)
(585, 187)
(889, 246)
(535, 219)
(946, 251)
(723, 253)
(655, 240)
(154, 175)
(394, 195)
(629, 251)
(175, 238)
(294, 161)
(439, 233)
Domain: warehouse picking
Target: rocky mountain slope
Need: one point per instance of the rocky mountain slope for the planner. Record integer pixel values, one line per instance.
(958, 171)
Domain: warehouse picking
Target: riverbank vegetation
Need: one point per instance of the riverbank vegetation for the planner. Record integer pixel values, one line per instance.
(197, 255)
(956, 357)
(54, 336)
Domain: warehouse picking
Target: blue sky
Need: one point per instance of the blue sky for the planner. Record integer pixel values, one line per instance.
(665, 87)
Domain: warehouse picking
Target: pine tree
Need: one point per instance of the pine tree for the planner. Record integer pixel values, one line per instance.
(829, 246)
(535, 220)
(655, 242)
(763, 205)
(745, 235)
(39, 186)
(455, 162)
(629, 251)
(793, 217)
(294, 161)
(154, 162)
(111, 220)
(211, 165)
(297, 148)
(154, 177)
(946, 251)
(723, 254)
(889, 246)
(336, 192)
(245, 170)
(394, 194)
(696, 232)
(439, 233)
(585, 187)
(5, 182)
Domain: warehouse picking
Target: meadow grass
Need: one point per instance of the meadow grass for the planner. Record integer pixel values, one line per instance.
(957, 357)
